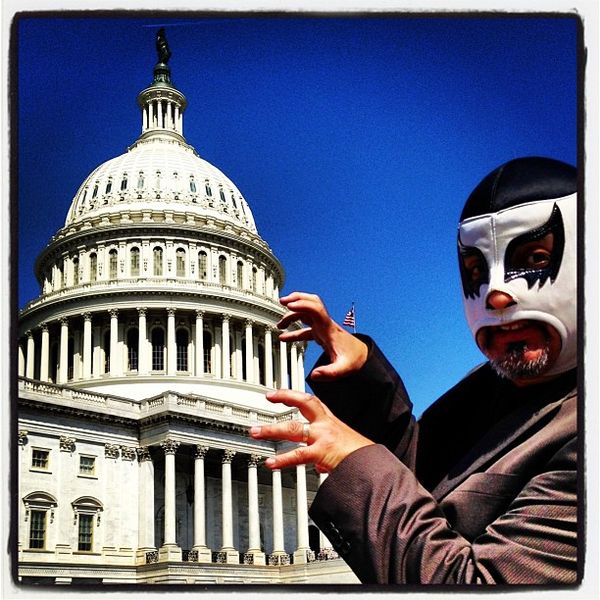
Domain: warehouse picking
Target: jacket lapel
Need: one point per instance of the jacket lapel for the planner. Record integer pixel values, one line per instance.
(506, 433)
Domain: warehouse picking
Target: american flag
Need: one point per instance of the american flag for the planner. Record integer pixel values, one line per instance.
(350, 319)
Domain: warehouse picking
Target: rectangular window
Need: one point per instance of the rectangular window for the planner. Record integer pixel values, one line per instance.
(87, 465)
(85, 537)
(37, 531)
(40, 459)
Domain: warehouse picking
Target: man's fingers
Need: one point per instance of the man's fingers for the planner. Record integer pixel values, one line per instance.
(294, 296)
(298, 335)
(299, 456)
(310, 406)
(289, 430)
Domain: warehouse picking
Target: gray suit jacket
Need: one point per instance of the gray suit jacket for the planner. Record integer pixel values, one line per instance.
(482, 490)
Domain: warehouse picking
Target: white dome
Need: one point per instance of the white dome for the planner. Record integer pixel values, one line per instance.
(160, 173)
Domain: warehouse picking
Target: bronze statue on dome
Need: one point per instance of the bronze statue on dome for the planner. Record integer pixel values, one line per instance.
(162, 47)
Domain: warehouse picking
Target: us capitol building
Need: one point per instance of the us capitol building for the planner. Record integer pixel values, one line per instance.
(142, 364)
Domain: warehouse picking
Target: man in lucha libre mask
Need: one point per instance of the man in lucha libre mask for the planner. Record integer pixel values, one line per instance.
(483, 488)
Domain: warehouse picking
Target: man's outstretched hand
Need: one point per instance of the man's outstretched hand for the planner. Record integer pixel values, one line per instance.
(347, 354)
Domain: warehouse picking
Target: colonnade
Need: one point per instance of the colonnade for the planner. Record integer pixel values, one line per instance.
(162, 113)
(144, 341)
(227, 553)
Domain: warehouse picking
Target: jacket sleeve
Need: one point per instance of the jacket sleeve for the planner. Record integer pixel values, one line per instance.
(389, 529)
(373, 402)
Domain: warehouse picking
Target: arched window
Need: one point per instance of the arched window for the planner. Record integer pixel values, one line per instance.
(240, 274)
(181, 340)
(158, 262)
(180, 262)
(134, 262)
(70, 357)
(107, 351)
(112, 264)
(222, 270)
(261, 365)
(75, 271)
(133, 340)
(93, 267)
(39, 511)
(158, 180)
(61, 274)
(202, 265)
(158, 349)
(54, 362)
(208, 188)
(124, 182)
(207, 341)
(95, 192)
(192, 185)
(254, 275)
(222, 194)
(108, 186)
(140, 181)
(87, 516)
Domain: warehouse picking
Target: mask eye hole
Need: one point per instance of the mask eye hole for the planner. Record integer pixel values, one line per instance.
(475, 268)
(532, 255)
(536, 255)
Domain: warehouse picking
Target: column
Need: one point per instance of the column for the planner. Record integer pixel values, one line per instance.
(254, 556)
(171, 119)
(45, 354)
(301, 555)
(204, 553)
(239, 353)
(283, 366)
(63, 363)
(115, 362)
(170, 550)
(177, 114)
(21, 367)
(279, 556)
(150, 114)
(171, 345)
(301, 375)
(249, 353)
(146, 505)
(228, 553)
(327, 550)
(87, 345)
(268, 357)
(30, 368)
(294, 365)
(96, 351)
(143, 362)
(199, 343)
(226, 360)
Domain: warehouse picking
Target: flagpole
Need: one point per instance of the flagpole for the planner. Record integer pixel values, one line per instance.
(354, 313)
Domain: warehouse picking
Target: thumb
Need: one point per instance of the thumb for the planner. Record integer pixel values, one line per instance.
(328, 372)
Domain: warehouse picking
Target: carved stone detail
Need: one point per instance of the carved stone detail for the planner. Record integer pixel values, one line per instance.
(170, 446)
(111, 450)
(143, 454)
(67, 444)
(227, 456)
(201, 451)
(254, 459)
(128, 453)
(22, 440)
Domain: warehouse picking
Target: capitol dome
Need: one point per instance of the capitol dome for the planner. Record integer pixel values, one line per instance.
(158, 172)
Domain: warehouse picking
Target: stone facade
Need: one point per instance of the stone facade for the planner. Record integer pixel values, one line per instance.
(142, 364)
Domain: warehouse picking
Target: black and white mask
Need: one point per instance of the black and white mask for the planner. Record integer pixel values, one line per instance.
(496, 243)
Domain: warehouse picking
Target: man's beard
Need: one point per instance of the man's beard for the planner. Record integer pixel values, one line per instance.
(514, 365)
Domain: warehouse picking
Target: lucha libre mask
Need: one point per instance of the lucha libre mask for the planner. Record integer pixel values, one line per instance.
(523, 201)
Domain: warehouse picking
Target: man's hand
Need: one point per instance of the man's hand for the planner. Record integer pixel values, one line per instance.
(347, 353)
(329, 439)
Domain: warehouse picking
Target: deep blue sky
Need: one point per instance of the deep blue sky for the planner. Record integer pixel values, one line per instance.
(355, 141)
